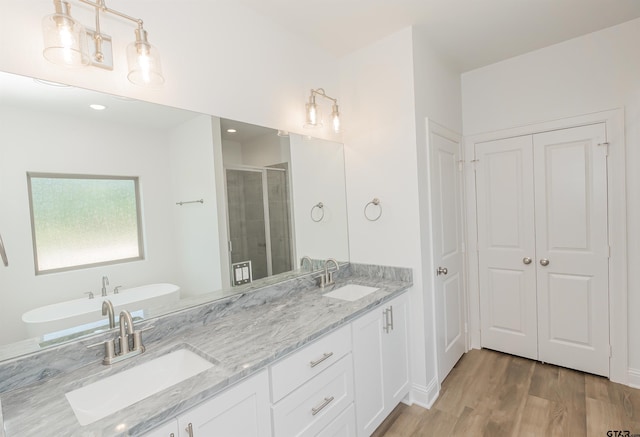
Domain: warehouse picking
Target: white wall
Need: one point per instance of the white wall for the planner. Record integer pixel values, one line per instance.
(592, 73)
(317, 174)
(61, 144)
(437, 98)
(266, 150)
(389, 88)
(196, 235)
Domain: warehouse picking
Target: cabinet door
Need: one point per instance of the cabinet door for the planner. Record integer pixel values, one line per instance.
(395, 356)
(368, 332)
(381, 362)
(241, 411)
(167, 430)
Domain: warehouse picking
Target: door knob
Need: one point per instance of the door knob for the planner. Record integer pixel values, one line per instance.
(442, 271)
(544, 262)
(526, 260)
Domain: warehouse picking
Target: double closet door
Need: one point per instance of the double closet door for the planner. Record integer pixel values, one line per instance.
(543, 247)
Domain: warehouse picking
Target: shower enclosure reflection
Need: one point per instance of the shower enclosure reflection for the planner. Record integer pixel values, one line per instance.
(258, 200)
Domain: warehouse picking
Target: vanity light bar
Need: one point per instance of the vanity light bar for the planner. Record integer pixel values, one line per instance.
(66, 42)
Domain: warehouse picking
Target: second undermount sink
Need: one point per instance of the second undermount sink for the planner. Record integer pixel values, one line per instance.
(351, 292)
(114, 393)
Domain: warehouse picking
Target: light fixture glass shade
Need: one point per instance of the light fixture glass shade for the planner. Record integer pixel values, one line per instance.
(144, 62)
(65, 40)
(335, 118)
(312, 112)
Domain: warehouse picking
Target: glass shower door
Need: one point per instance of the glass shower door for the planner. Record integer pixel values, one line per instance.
(247, 231)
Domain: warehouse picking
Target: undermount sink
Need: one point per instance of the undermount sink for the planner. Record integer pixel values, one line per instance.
(114, 393)
(351, 292)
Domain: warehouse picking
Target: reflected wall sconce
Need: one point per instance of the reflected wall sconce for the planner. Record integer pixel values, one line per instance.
(313, 118)
(68, 43)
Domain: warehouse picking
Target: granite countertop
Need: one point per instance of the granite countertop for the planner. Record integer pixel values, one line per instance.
(242, 342)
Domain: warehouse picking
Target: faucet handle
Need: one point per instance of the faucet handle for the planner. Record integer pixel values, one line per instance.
(90, 293)
(116, 289)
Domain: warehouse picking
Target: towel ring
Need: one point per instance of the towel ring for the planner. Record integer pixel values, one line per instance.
(374, 202)
(320, 206)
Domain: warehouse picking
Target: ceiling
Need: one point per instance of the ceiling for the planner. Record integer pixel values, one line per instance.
(27, 93)
(471, 33)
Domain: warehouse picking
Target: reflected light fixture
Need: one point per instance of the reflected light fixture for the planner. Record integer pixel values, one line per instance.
(68, 43)
(313, 118)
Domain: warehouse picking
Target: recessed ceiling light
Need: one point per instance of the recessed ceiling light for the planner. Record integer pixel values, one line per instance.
(97, 107)
(231, 130)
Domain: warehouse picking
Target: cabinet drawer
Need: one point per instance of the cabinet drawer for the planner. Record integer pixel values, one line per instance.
(342, 426)
(301, 366)
(317, 403)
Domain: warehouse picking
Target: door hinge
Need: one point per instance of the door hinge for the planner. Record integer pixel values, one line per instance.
(474, 162)
(608, 252)
(230, 246)
(460, 165)
(463, 247)
(606, 148)
(466, 329)
(610, 351)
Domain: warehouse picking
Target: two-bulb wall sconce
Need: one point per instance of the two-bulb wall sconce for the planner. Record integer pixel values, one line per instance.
(67, 42)
(313, 117)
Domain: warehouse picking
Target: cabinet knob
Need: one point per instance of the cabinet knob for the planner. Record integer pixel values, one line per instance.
(442, 271)
(526, 260)
(544, 262)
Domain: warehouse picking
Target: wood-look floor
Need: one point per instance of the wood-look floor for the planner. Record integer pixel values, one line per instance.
(494, 394)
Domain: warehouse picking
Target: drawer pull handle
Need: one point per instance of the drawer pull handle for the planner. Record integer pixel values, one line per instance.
(319, 408)
(189, 429)
(319, 360)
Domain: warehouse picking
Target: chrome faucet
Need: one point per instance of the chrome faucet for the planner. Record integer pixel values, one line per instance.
(306, 258)
(125, 349)
(126, 329)
(107, 308)
(105, 282)
(327, 277)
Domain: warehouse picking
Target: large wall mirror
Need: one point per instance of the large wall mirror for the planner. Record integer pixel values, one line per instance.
(206, 207)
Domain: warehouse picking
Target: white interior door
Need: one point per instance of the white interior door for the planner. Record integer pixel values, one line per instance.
(445, 173)
(572, 248)
(506, 246)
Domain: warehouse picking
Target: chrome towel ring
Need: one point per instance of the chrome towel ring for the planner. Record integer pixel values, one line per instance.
(320, 207)
(370, 215)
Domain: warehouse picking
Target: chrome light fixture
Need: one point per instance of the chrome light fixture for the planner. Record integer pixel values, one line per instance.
(66, 42)
(313, 118)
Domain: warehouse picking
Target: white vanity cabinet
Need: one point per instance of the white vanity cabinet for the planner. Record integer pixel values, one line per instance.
(241, 411)
(381, 362)
(342, 385)
(313, 387)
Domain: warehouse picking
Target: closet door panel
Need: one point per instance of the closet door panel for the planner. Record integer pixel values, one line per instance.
(506, 243)
(572, 248)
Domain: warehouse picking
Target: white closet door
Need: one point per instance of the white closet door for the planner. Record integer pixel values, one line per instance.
(444, 162)
(506, 246)
(572, 248)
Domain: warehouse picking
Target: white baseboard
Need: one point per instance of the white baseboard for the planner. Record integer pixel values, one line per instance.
(425, 396)
(634, 378)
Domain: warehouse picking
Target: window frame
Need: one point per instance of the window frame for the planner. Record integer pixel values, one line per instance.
(49, 175)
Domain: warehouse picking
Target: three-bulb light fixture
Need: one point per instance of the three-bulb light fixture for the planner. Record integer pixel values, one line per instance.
(68, 43)
(313, 117)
